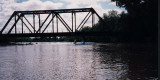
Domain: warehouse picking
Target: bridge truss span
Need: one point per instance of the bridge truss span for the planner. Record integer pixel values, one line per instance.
(53, 17)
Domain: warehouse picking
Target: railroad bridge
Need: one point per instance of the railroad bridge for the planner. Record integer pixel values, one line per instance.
(54, 18)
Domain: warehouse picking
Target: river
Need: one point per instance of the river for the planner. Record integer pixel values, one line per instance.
(66, 61)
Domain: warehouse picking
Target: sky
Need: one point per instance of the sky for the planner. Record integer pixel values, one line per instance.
(7, 7)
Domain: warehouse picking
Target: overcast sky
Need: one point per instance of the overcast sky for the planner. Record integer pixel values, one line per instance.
(8, 6)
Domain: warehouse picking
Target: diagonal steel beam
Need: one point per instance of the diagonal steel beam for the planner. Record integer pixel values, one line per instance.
(48, 24)
(83, 21)
(64, 22)
(7, 22)
(25, 24)
(19, 17)
(99, 16)
(29, 23)
(14, 23)
(43, 23)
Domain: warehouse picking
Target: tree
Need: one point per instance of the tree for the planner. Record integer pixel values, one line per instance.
(86, 29)
(142, 17)
(111, 19)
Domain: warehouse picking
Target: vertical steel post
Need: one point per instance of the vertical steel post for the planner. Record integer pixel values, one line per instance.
(34, 23)
(57, 23)
(53, 23)
(72, 21)
(22, 25)
(93, 19)
(75, 20)
(39, 24)
(15, 26)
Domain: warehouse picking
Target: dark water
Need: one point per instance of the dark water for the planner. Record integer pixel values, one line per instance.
(65, 61)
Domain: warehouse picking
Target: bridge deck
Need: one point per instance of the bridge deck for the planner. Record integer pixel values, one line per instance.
(56, 34)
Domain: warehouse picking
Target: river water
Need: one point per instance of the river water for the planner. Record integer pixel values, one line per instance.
(66, 61)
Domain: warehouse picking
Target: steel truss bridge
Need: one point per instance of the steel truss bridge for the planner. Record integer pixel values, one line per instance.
(20, 16)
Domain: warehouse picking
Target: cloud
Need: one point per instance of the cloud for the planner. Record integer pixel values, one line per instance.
(112, 3)
(91, 4)
(9, 6)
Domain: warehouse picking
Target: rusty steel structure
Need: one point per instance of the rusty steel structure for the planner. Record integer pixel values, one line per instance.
(73, 29)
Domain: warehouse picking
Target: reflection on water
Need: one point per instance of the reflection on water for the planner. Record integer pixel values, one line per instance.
(65, 61)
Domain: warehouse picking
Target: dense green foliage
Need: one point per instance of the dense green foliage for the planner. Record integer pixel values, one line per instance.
(114, 24)
(139, 24)
(142, 18)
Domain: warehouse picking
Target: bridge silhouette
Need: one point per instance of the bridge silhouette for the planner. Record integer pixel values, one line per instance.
(21, 16)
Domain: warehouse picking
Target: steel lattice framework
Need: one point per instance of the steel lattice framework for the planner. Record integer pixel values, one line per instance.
(21, 15)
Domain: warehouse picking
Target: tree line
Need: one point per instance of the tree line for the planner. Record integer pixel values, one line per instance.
(139, 24)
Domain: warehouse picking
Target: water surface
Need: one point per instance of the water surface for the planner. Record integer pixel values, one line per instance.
(66, 61)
